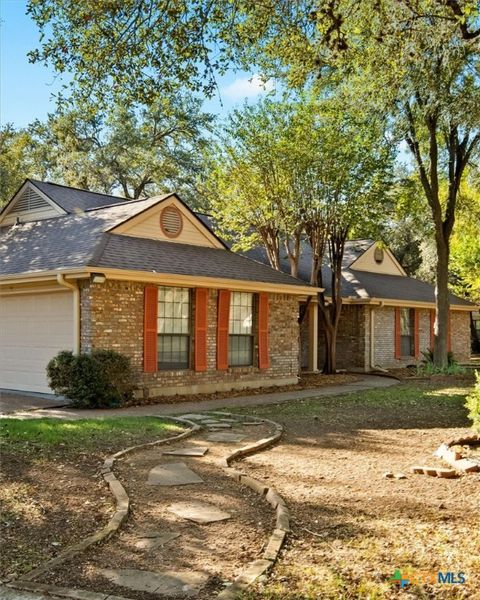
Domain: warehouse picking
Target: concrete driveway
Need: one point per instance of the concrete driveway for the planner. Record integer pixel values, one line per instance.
(11, 401)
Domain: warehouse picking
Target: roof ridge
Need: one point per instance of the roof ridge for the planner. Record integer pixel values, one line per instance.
(71, 187)
(114, 204)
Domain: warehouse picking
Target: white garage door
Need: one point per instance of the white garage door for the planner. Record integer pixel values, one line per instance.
(33, 328)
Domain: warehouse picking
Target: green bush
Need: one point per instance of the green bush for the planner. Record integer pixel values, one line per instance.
(473, 404)
(99, 379)
(428, 368)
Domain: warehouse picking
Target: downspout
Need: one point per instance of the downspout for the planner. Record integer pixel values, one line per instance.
(76, 310)
(373, 366)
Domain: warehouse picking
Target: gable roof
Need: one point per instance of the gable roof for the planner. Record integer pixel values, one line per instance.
(83, 240)
(73, 200)
(362, 285)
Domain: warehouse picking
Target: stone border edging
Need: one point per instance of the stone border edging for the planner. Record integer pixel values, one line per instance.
(122, 506)
(258, 567)
(62, 592)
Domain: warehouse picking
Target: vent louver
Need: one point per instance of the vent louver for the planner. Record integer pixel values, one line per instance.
(29, 200)
(171, 221)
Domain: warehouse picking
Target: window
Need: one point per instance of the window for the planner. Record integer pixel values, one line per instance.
(240, 328)
(407, 327)
(173, 328)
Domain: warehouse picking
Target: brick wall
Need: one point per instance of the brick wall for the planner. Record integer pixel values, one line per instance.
(385, 337)
(112, 317)
(460, 335)
(351, 339)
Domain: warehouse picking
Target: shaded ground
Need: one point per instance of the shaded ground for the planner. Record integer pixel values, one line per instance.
(51, 494)
(220, 550)
(352, 528)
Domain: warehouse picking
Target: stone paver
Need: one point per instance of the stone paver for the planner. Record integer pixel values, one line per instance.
(167, 583)
(225, 436)
(192, 451)
(11, 594)
(173, 474)
(199, 512)
(220, 426)
(153, 542)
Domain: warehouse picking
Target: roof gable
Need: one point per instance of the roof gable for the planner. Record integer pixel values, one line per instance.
(75, 200)
(378, 259)
(30, 203)
(169, 220)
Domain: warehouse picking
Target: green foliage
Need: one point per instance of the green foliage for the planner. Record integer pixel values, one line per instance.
(102, 378)
(134, 152)
(473, 404)
(428, 366)
(283, 168)
(15, 160)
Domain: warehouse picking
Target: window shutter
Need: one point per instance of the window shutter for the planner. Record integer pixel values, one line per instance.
(416, 333)
(200, 342)
(223, 317)
(398, 345)
(263, 355)
(432, 329)
(150, 339)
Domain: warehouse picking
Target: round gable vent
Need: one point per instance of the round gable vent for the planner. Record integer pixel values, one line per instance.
(171, 221)
(379, 255)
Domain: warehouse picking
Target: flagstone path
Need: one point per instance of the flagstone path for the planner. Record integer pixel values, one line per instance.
(192, 527)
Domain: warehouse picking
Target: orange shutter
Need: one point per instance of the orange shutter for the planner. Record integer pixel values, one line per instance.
(398, 345)
(416, 333)
(150, 339)
(223, 317)
(263, 357)
(432, 329)
(201, 305)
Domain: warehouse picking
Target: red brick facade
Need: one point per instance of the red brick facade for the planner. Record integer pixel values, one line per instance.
(112, 316)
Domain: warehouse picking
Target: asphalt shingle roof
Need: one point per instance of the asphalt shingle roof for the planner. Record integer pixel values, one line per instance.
(81, 240)
(361, 285)
(73, 200)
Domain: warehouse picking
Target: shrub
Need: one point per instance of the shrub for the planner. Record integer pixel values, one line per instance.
(99, 379)
(428, 368)
(473, 404)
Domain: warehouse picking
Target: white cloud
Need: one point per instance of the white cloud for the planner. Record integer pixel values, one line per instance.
(247, 87)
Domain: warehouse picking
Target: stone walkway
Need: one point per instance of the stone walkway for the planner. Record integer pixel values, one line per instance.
(366, 382)
(190, 519)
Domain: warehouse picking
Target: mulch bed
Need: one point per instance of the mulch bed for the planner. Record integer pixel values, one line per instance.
(307, 381)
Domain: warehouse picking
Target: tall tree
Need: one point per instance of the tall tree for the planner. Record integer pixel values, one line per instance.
(131, 152)
(296, 173)
(416, 61)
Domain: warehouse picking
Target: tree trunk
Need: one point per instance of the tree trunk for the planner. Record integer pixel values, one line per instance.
(330, 364)
(440, 347)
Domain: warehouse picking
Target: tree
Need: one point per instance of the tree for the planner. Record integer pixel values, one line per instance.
(414, 61)
(131, 152)
(15, 162)
(299, 172)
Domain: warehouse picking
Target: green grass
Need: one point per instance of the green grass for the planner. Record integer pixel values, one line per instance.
(27, 435)
(401, 399)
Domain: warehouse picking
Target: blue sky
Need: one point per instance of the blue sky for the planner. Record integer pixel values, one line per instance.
(26, 89)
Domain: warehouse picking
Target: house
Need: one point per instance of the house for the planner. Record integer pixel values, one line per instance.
(148, 278)
(387, 318)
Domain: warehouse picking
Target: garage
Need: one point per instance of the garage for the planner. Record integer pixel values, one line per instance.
(33, 328)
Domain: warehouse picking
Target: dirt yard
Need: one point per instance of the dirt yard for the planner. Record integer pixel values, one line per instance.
(352, 528)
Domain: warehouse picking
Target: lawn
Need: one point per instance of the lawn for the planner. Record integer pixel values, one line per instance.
(352, 528)
(51, 492)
